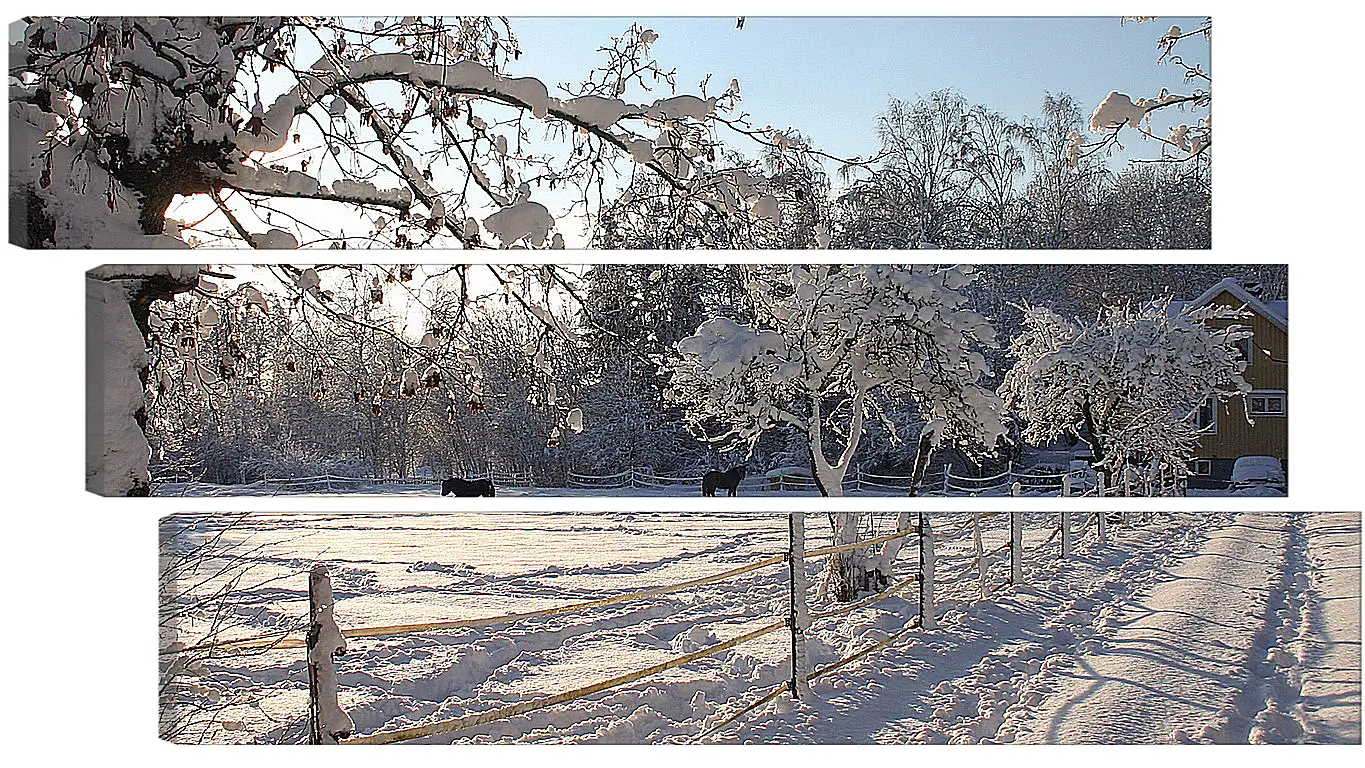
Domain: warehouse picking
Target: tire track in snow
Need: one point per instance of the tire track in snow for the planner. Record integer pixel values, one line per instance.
(1173, 668)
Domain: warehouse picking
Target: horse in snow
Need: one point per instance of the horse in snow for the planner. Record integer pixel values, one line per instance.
(729, 480)
(461, 487)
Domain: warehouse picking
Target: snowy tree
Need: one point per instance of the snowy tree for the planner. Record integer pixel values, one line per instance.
(632, 317)
(118, 319)
(827, 346)
(789, 180)
(919, 193)
(217, 361)
(994, 157)
(1064, 181)
(1129, 382)
(282, 132)
(1153, 205)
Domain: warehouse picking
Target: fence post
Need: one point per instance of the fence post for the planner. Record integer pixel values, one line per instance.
(798, 616)
(1103, 526)
(980, 554)
(1017, 489)
(327, 721)
(947, 472)
(1016, 548)
(1009, 471)
(1066, 485)
(1066, 536)
(926, 574)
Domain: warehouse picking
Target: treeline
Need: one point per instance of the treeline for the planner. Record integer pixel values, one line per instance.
(948, 175)
(244, 393)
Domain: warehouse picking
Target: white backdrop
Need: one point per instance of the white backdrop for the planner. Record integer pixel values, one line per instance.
(80, 571)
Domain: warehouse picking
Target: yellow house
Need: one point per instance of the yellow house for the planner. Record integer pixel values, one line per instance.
(1257, 424)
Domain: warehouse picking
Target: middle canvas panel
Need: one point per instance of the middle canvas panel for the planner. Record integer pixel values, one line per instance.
(688, 379)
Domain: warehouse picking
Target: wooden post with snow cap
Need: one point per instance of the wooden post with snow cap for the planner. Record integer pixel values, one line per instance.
(947, 473)
(1102, 525)
(1017, 489)
(1016, 548)
(1066, 485)
(798, 616)
(926, 574)
(327, 721)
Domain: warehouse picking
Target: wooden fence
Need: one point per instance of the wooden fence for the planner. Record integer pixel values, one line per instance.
(930, 571)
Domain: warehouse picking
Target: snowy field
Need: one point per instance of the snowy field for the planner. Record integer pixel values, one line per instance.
(1182, 628)
(364, 488)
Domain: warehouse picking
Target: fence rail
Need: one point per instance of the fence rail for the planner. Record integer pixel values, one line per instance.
(335, 483)
(983, 562)
(643, 478)
(938, 483)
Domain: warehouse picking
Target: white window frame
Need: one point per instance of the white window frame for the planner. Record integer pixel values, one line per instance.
(1212, 405)
(1201, 467)
(1266, 394)
(1249, 352)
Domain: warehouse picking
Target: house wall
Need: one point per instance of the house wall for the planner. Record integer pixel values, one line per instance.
(1269, 436)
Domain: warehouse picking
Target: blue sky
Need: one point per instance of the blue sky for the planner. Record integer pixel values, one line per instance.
(830, 77)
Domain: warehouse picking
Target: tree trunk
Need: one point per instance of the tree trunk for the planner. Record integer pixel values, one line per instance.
(891, 550)
(848, 575)
(1098, 454)
(118, 305)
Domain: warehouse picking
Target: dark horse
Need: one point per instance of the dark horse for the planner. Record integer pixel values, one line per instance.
(729, 480)
(461, 487)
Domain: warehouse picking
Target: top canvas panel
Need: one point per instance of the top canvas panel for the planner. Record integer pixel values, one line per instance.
(477, 132)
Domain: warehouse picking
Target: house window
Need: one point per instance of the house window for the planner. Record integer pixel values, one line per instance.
(1201, 467)
(1247, 349)
(1206, 418)
(1267, 404)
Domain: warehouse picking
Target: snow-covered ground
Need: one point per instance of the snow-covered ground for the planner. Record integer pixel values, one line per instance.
(1183, 627)
(365, 488)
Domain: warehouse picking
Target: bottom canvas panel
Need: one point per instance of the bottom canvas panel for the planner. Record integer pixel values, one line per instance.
(919, 627)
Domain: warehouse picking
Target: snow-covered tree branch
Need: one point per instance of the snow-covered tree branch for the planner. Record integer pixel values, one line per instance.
(228, 120)
(1184, 142)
